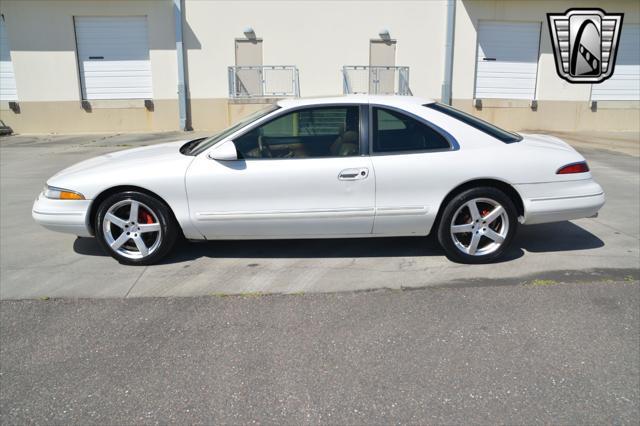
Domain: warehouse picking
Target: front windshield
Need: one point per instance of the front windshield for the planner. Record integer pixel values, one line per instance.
(212, 140)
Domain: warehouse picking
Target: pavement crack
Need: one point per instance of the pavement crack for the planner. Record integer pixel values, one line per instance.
(136, 282)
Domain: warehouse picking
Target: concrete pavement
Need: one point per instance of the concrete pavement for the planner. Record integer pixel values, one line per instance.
(37, 263)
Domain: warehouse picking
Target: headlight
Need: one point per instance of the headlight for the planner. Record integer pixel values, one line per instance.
(61, 194)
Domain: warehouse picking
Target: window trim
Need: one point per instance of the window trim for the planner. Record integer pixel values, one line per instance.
(280, 112)
(453, 143)
(365, 130)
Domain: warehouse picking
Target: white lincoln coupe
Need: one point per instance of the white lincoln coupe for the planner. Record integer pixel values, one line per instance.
(346, 167)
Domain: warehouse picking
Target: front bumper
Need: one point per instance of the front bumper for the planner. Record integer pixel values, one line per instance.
(559, 201)
(69, 216)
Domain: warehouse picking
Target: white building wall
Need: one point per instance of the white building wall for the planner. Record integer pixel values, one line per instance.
(43, 52)
(318, 36)
(561, 105)
(550, 87)
(43, 44)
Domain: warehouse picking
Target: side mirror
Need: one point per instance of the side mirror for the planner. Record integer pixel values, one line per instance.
(225, 152)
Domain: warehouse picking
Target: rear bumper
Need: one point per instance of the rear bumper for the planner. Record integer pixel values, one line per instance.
(558, 201)
(68, 216)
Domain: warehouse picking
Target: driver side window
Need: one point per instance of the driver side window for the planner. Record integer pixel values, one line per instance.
(305, 133)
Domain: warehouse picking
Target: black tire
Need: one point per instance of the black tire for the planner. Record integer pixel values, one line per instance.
(168, 227)
(446, 239)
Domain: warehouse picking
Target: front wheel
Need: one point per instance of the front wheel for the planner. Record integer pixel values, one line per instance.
(135, 228)
(477, 225)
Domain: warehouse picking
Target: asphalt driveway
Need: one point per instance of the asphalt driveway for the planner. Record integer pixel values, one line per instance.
(36, 263)
(542, 353)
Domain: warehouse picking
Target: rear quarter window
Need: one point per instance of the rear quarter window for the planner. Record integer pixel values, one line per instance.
(394, 131)
(484, 126)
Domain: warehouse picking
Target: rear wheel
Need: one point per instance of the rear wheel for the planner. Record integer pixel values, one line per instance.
(135, 228)
(477, 225)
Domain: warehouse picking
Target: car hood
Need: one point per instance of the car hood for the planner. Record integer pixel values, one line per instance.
(545, 141)
(155, 168)
(124, 158)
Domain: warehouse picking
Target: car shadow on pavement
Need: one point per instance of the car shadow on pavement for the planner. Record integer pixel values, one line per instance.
(563, 236)
(555, 237)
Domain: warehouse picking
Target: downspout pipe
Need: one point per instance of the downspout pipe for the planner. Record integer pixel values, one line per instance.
(447, 84)
(182, 83)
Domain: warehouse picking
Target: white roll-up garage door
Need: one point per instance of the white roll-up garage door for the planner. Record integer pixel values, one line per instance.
(624, 84)
(507, 63)
(8, 90)
(113, 56)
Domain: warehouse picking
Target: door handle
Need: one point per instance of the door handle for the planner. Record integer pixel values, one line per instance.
(354, 174)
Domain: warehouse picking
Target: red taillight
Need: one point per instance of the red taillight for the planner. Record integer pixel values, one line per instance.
(581, 167)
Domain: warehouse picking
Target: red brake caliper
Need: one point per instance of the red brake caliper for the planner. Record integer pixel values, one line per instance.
(144, 217)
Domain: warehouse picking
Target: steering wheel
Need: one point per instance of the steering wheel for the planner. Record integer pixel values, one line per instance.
(265, 151)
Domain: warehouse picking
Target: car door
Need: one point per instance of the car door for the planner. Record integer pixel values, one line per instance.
(301, 174)
(412, 160)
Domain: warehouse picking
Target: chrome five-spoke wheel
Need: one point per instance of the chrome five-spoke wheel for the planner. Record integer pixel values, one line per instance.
(132, 229)
(135, 227)
(479, 226)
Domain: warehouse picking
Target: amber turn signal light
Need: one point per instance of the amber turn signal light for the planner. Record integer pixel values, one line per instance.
(64, 195)
(61, 194)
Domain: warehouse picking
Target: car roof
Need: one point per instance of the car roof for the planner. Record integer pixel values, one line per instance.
(391, 100)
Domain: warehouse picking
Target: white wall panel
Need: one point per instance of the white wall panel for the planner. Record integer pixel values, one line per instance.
(113, 55)
(507, 60)
(8, 90)
(624, 84)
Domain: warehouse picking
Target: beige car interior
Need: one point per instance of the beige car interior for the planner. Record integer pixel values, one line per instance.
(329, 133)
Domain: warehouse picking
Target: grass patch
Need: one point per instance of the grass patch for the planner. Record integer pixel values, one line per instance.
(542, 283)
(251, 294)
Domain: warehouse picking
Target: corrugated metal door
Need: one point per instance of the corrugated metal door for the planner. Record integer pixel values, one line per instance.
(507, 63)
(8, 90)
(113, 56)
(624, 84)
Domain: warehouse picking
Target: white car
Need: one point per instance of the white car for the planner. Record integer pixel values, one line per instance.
(346, 167)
